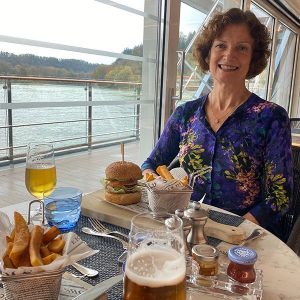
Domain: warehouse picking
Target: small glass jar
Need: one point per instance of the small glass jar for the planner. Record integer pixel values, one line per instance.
(207, 258)
(241, 266)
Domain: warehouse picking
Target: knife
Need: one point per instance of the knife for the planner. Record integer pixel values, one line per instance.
(100, 288)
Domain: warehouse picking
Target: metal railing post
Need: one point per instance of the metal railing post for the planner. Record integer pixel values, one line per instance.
(10, 122)
(90, 116)
(138, 111)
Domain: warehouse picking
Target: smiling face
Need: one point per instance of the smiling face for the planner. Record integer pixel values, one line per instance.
(230, 55)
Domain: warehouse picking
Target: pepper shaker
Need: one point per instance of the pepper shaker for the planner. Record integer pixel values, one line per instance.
(198, 217)
(186, 226)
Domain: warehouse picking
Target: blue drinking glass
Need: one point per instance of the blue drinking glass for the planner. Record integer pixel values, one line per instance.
(62, 208)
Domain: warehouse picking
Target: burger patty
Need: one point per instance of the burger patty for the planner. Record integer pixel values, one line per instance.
(116, 183)
(121, 188)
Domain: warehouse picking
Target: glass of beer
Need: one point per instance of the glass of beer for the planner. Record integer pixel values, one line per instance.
(40, 174)
(155, 266)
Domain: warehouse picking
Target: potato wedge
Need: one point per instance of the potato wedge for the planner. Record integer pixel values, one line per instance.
(50, 258)
(8, 239)
(21, 239)
(7, 262)
(34, 246)
(25, 259)
(50, 234)
(56, 245)
(44, 251)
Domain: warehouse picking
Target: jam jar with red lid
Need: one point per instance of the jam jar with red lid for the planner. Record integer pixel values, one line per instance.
(241, 266)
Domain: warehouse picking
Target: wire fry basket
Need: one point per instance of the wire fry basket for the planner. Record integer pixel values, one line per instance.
(44, 285)
(169, 200)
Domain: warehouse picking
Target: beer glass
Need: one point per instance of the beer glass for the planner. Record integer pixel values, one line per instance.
(40, 174)
(155, 266)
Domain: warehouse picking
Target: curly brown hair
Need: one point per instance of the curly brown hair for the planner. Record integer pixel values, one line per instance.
(216, 26)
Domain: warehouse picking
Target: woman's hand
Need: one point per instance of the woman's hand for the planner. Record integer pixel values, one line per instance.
(250, 217)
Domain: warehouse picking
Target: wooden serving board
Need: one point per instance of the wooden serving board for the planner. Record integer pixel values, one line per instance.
(94, 205)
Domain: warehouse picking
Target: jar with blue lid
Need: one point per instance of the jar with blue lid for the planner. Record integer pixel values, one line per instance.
(241, 266)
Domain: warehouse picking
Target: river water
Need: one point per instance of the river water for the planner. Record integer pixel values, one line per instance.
(22, 93)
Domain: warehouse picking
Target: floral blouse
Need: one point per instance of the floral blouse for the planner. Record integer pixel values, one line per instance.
(246, 166)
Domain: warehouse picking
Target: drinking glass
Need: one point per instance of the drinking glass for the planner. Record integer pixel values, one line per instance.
(155, 266)
(40, 174)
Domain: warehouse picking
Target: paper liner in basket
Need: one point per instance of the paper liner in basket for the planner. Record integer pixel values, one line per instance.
(75, 249)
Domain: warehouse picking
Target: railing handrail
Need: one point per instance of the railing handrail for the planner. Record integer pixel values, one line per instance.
(69, 80)
(69, 121)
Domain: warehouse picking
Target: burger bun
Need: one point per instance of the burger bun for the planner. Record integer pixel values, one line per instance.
(123, 199)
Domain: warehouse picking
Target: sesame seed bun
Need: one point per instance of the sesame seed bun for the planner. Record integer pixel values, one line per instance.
(123, 171)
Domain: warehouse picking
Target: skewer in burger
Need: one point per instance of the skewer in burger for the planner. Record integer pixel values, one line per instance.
(121, 183)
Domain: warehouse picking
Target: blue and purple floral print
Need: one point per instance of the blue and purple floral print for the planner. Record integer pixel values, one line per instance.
(246, 166)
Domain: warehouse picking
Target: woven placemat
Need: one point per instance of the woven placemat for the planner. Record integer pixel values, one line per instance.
(106, 261)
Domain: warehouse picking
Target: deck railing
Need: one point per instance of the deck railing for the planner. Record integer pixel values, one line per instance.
(73, 114)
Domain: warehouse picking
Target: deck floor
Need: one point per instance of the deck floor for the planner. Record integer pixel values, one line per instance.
(82, 170)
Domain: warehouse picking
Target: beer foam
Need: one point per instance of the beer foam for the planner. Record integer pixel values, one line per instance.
(39, 166)
(155, 267)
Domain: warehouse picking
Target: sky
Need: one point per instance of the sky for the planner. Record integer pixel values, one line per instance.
(80, 23)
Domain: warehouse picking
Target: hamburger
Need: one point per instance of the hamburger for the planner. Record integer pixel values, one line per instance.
(121, 183)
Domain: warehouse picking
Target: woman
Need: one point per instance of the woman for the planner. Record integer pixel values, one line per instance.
(236, 145)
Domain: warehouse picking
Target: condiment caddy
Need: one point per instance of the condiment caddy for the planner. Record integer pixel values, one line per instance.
(236, 280)
(222, 286)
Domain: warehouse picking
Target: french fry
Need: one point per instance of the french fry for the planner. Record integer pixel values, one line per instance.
(164, 172)
(184, 181)
(149, 176)
(50, 234)
(56, 245)
(7, 262)
(34, 246)
(50, 258)
(21, 239)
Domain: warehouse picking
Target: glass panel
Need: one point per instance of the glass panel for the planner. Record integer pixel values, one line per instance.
(259, 84)
(193, 14)
(117, 44)
(283, 65)
(81, 23)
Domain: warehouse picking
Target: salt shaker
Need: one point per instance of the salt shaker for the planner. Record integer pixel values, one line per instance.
(186, 225)
(198, 217)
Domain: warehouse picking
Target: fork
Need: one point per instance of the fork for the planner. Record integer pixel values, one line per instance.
(98, 226)
(91, 231)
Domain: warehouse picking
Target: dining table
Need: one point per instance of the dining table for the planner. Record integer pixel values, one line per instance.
(279, 264)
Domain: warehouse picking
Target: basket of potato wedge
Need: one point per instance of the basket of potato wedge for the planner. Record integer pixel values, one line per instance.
(34, 258)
